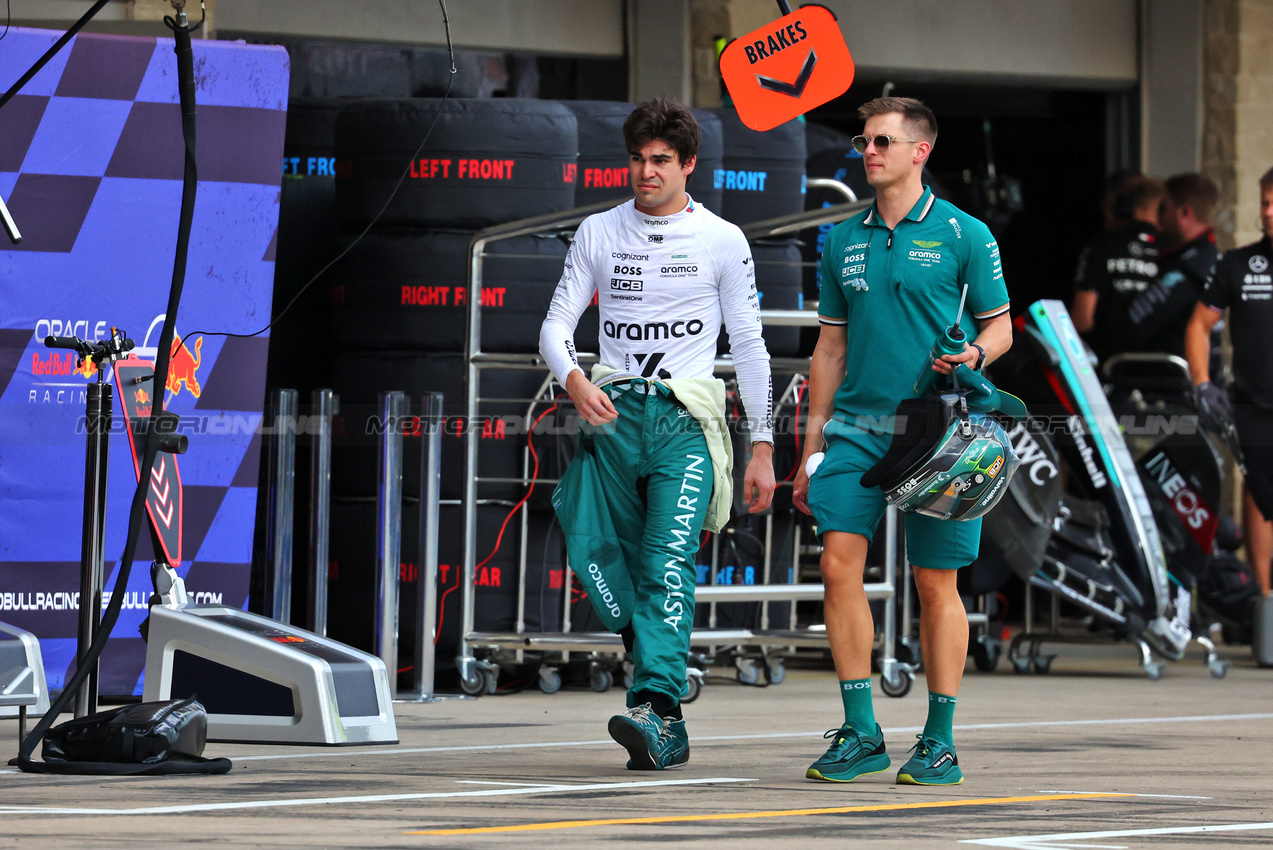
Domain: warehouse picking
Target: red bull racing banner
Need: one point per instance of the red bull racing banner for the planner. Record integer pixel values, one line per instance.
(90, 167)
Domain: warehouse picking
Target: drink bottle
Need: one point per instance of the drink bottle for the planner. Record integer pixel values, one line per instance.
(951, 341)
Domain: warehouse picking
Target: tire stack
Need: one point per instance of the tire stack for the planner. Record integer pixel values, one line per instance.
(305, 241)
(837, 161)
(398, 308)
(603, 155)
(705, 184)
(763, 176)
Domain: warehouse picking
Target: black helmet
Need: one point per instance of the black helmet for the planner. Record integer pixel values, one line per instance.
(945, 461)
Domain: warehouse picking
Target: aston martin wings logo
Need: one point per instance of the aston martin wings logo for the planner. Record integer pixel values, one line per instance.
(925, 244)
(793, 89)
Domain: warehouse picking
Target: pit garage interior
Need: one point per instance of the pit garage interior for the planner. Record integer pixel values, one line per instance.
(1038, 103)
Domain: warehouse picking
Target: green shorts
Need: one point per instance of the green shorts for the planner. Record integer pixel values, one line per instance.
(839, 502)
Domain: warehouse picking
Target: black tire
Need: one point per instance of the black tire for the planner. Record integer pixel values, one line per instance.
(778, 274)
(358, 380)
(778, 277)
(709, 172)
(986, 654)
(485, 161)
(762, 174)
(899, 687)
(305, 240)
(819, 137)
(603, 156)
(407, 290)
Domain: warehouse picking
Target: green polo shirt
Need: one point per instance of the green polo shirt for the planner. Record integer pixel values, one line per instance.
(896, 290)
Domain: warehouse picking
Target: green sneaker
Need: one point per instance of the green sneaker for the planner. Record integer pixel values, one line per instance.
(653, 742)
(850, 755)
(934, 763)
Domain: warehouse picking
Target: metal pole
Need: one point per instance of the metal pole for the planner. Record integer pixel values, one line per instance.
(769, 542)
(324, 406)
(282, 504)
(890, 578)
(472, 347)
(92, 544)
(427, 559)
(389, 530)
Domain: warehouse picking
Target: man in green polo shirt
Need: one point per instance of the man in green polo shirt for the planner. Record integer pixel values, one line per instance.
(892, 279)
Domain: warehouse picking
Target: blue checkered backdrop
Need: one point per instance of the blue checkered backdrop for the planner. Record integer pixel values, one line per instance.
(90, 165)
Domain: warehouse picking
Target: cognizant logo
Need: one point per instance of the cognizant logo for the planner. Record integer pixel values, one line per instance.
(653, 330)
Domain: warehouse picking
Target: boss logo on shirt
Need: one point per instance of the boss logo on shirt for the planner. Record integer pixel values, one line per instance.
(632, 270)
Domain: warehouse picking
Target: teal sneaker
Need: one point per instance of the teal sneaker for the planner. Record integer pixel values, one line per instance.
(934, 763)
(850, 755)
(652, 742)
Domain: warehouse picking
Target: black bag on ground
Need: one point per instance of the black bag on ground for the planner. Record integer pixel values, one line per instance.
(149, 737)
(1227, 593)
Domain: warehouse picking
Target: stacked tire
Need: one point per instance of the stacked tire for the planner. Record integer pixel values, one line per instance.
(603, 154)
(762, 174)
(398, 310)
(308, 227)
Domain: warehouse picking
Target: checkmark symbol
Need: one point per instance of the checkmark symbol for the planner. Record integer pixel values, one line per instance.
(793, 89)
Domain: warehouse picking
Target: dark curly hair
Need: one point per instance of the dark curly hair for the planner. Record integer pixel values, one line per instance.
(666, 121)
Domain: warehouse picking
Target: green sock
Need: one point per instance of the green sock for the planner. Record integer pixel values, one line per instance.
(941, 718)
(858, 710)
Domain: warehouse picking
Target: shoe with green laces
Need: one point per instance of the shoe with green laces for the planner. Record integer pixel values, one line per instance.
(934, 763)
(652, 742)
(850, 755)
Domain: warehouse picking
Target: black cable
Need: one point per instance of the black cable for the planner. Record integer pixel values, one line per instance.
(51, 52)
(8, 17)
(405, 171)
(136, 515)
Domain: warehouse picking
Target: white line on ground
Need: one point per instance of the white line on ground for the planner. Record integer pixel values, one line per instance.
(1050, 842)
(366, 798)
(524, 784)
(699, 739)
(1128, 794)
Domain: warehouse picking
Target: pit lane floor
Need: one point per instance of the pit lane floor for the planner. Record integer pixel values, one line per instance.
(1091, 755)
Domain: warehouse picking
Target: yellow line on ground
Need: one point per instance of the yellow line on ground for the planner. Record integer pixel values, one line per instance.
(781, 813)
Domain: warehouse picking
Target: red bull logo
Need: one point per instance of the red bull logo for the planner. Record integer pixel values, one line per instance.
(141, 396)
(183, 366)
(55, 364)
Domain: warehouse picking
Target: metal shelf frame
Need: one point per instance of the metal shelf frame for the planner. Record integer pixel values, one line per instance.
(566, 642)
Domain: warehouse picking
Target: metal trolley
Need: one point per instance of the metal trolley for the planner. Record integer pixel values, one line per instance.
(478, 675)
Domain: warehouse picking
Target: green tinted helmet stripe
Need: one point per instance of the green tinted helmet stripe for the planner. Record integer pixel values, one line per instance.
(963, 477)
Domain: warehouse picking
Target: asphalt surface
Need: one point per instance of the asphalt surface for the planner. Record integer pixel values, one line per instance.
(1091, 755)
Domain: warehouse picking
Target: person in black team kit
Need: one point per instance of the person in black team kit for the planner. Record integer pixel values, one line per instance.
(1242, 283)
(1116, 267)
(1158, 317)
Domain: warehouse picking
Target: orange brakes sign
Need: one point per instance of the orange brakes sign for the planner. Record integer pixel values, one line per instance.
(786, 68)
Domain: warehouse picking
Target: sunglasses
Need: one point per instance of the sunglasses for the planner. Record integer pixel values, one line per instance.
(882, 142)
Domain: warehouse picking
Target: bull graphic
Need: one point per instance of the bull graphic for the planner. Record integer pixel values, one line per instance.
(183, 365)
(85, 367)
(141, 396)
